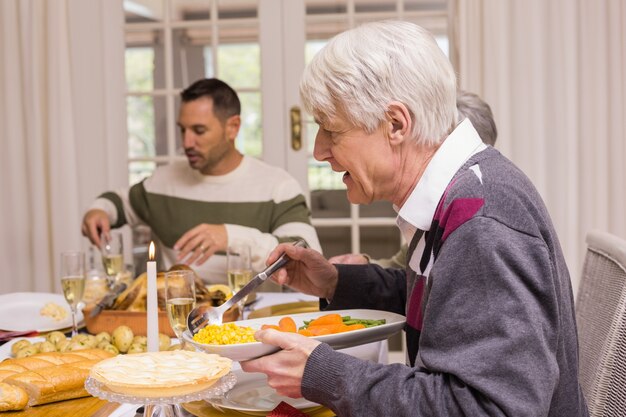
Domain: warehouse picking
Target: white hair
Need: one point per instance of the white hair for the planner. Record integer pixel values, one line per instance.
(360, 71)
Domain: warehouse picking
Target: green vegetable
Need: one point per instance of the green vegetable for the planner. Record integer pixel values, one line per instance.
(347, 320)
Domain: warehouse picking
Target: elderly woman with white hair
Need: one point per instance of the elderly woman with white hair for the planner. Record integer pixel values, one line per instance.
(490, 316)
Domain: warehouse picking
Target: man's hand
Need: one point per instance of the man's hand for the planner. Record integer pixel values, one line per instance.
(349, 258)
(95, 222)
(308, 271)
(201, 242)
(284, 369)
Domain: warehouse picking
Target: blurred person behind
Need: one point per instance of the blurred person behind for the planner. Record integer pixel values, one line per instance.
(196, 208)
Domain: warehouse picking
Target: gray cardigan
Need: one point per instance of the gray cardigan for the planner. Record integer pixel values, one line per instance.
(498, 335)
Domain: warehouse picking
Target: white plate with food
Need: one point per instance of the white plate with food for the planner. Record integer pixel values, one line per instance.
(5, 349)
(251, 395)
(393, 323)
(44, 312)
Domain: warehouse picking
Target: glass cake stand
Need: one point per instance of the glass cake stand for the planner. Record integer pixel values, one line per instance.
(167, 406)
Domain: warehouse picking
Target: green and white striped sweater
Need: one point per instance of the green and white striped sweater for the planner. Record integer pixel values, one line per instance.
(257, 202)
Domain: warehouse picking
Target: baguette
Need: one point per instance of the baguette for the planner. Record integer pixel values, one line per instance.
(12, 367)
(12, 397)
(54, 383)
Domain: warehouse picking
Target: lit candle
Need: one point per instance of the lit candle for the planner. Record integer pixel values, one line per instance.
(152, 303)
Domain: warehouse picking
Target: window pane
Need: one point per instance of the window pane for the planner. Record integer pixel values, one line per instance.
(372, 6)
(322, 177)
(189, 58)
(190, 9)
(239, 65)
(237, 9)
(139, 64)
(145, 62)
(311, 48)
(140, 170)
(138, 12)
(326, 7)
(425, 5)
(145, 117)
(380, 241)
(334, 240)
(250, 139)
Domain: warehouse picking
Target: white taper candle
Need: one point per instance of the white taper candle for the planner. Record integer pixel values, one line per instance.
(152, 303)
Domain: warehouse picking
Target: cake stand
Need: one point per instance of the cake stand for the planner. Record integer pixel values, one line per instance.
(165, 406)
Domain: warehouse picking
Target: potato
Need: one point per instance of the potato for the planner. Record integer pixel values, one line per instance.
(55, 337)
(63, 345)
(90, 341)
(122, 338)
(142, 340)
(80, 338)
(174, 347)
(19, 345)
(26, 352)
(110, 348)
(76, 346)
(36, 346)
(137, 348)
(164, 341)
(103, 344)
(103, 336)
(47, 347)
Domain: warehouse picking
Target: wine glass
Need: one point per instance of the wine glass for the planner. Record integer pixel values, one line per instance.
(239, 269)
(112, 248)
(180, 299)
(73, 281)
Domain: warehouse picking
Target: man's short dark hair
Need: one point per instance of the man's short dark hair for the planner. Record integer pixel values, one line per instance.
(225, 100)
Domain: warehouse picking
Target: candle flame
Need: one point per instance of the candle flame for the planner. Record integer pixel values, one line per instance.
(151, 251)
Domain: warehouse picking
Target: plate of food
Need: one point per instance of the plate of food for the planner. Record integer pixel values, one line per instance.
(347, 328)
(253, 396)
(44, 312)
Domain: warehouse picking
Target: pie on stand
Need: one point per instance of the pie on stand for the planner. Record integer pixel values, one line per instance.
(161, 380)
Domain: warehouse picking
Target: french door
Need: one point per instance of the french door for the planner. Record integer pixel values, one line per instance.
(260, 47)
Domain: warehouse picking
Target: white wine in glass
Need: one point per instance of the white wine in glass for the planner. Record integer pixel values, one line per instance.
(180, 299)
(237, 278)
(239, 269)
(112, 249)
(113, 264)
(177, 311)
(73, 281)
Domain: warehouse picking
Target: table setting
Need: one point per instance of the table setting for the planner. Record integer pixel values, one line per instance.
(75, 365)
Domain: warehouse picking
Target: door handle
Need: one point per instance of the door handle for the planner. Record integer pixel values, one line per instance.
(296, 128)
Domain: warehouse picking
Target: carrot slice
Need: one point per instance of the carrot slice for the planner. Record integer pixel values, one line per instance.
(270, 326)
(305, 332)
(326, 319)
(286, 324)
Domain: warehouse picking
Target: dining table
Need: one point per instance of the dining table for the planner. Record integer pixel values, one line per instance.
(263, 304)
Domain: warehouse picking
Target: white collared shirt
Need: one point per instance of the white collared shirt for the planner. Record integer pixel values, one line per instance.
(419, 209)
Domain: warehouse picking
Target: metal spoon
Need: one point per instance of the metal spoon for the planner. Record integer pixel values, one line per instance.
(205, 314)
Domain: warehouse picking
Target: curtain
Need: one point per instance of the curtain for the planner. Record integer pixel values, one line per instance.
(554, 73)
(57, 151)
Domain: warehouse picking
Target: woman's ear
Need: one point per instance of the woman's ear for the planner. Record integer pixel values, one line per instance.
(399, 122)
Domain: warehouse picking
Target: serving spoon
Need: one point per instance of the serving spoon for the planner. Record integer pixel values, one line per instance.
(205, 314)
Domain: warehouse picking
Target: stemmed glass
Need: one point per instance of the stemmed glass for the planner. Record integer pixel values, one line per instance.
(73, 281)
(180, 299)
(112, 254)
(239, 269)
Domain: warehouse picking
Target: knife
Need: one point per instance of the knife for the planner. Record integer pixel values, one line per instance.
(108, 300)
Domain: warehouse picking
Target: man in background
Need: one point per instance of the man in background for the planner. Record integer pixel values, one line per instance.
(470, 106)
(219, 196)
